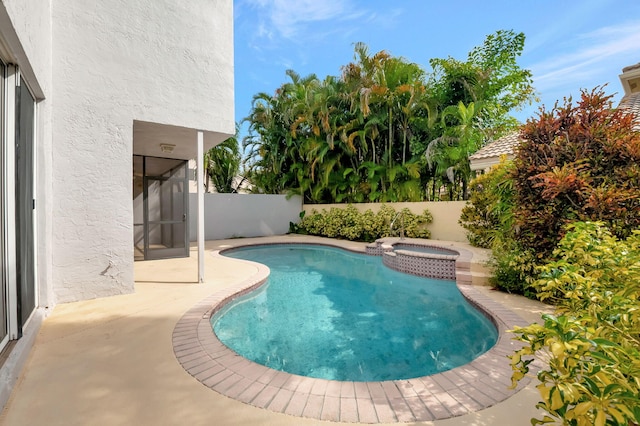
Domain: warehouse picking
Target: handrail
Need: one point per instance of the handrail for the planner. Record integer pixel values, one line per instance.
(401, 215)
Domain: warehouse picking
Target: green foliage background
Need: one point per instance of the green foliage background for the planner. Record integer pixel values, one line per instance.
(385, 130)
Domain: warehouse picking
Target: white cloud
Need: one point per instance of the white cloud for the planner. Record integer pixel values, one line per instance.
(592, 54)
(287, 18)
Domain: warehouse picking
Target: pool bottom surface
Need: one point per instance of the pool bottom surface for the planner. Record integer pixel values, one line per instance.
(331, 314)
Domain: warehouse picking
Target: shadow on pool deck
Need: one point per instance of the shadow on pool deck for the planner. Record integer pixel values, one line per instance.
(110, 361)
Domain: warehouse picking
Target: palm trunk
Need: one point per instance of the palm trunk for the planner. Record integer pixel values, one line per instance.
(390, 142)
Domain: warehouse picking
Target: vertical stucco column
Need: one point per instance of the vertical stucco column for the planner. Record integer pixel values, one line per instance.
(200, 171)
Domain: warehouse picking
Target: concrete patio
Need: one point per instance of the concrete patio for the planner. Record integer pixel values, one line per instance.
(111, 361)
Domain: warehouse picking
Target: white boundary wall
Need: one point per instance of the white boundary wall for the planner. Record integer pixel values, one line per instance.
(244, 215)
(445, 226)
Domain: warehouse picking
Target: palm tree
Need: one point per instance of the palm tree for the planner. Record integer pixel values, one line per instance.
(222, 166)
(463, 135)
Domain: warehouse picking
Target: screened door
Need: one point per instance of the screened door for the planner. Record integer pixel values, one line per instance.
(25, 203)
(165, 207)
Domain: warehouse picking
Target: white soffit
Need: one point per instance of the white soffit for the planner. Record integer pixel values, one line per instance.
(153, 139)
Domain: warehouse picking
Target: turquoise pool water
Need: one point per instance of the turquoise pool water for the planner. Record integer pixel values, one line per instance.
(332, 314)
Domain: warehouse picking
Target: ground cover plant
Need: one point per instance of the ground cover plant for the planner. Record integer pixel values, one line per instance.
(348, 223)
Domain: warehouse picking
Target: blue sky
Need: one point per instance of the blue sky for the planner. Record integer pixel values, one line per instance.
(569, 44)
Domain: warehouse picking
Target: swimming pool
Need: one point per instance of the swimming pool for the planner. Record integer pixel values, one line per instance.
(329, 313)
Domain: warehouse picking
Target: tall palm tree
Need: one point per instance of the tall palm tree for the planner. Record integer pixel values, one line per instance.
(463, 135)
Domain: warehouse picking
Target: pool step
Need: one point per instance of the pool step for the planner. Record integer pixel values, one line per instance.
(480, 278)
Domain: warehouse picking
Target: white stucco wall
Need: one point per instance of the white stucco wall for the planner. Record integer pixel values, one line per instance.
(245, 215)
(30, 26)
(116, 61)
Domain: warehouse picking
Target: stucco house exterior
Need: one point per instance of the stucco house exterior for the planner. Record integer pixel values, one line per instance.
(491, 154)
(101, 103)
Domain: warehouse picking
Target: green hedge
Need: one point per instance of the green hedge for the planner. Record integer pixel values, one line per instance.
(348, 223)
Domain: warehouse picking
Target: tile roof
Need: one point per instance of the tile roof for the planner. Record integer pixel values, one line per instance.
(506, 144)
(631, 67)
(631, 102)
(501, 146)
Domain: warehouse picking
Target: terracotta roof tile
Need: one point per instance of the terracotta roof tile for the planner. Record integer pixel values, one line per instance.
(506, 144)
(501, 146)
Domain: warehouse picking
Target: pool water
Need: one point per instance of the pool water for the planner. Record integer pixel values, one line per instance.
(332, 314)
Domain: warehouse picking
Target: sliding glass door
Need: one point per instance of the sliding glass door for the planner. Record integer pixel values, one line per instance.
(25, 204)
(4, 289)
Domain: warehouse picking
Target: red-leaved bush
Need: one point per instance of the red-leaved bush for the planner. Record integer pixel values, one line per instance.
(577, 163)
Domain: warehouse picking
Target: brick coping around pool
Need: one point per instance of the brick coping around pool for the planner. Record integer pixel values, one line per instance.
(472, 387)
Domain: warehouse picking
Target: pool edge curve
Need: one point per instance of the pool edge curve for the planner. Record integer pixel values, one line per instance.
(479, 384)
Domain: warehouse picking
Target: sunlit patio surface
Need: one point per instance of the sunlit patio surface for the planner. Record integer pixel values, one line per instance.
(111, 361)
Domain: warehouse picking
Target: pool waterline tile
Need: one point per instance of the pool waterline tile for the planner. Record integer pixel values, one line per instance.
(427, 398)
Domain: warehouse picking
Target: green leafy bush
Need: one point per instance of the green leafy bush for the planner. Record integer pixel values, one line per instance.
(513, 267)
(348, 223)
(488, 218)
(591, 348)
(488, 213)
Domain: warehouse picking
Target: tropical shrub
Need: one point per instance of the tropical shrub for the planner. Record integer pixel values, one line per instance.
(513, 267)
(488, 213)
(591, 347)
(576, 163)
(488, 219)
(348, 223)
(415, 225)
(222, 166)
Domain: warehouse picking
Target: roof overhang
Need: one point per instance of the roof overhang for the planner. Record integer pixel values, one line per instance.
(168, 141)
(487, 162)
(630, 79)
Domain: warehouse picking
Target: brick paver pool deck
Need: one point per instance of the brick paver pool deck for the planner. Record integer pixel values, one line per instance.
(474, 386)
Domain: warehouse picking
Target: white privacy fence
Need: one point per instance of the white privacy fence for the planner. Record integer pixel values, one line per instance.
(244, 215)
